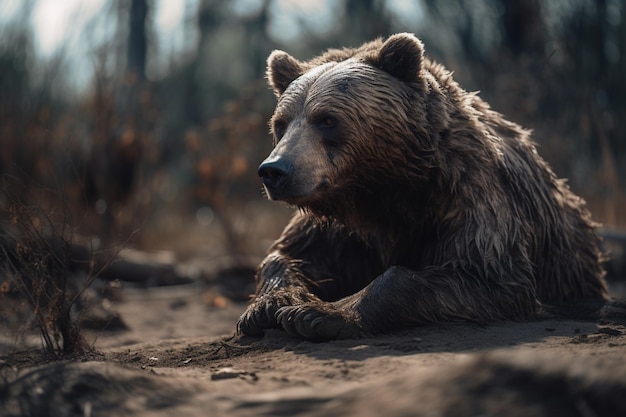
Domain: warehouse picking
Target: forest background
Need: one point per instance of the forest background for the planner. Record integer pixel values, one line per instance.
(142, 123)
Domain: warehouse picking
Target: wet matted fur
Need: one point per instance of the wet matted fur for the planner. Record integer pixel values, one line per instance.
(418, 203)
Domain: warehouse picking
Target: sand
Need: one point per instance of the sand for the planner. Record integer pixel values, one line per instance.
(180, 357)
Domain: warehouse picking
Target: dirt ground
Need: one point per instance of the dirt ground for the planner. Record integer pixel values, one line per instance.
(179, 357)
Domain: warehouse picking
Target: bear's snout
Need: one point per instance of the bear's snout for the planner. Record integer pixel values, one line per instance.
(274, 173)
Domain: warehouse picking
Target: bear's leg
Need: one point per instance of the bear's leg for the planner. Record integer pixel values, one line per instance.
(307, 264)
(281, 286)
(401, 297)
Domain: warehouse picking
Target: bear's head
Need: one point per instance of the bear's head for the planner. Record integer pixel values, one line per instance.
(346, 123)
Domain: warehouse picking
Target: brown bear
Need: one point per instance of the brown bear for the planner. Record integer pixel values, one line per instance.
(418, 203)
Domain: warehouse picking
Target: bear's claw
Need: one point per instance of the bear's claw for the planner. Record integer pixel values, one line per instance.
(315, 324)
(259, 316)
(261, 313)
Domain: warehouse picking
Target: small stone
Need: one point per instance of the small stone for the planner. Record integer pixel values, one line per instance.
(609, 331)
(226, 373)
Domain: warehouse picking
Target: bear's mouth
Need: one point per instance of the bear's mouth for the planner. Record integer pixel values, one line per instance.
(295, 194)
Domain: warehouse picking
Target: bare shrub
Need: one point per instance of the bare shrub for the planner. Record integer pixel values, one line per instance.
(40, 265)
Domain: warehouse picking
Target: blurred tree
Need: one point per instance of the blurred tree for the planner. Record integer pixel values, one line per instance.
(558, 67)
(124, 125)
(137, 40)
(364, 20)
(28, 109)
(559, 47)
(15, 88)
(523, 30)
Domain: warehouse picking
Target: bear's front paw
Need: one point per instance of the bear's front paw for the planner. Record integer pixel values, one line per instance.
(317, 322)
(261, 313)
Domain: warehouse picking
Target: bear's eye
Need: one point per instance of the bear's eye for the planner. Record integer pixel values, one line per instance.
(279, 128)
(327, 121)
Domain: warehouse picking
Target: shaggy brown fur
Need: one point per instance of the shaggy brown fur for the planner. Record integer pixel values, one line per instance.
(418, 203)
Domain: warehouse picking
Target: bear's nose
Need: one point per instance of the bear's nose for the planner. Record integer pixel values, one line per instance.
(273, 171)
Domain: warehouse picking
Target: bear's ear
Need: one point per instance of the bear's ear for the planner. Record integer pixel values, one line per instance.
(401, 56)
(282, 69)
